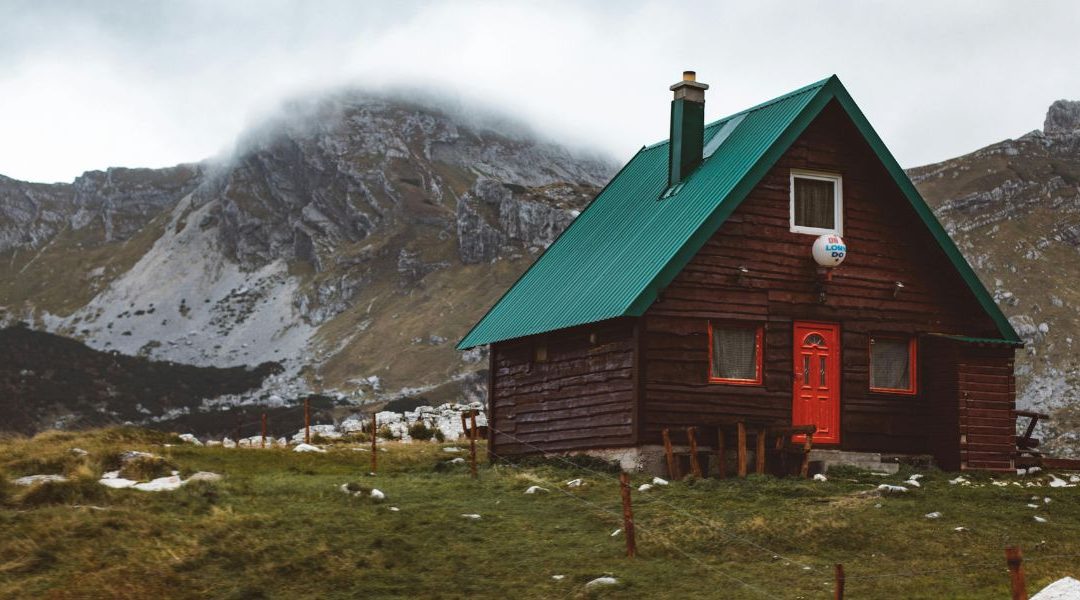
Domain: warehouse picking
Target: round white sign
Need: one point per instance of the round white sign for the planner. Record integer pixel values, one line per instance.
(829, 250)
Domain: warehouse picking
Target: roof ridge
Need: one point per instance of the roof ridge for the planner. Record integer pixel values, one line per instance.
(806, 88)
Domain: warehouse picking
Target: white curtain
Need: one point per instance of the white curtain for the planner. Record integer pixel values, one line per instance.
(814, 203)
(890, 366)
(734, 353)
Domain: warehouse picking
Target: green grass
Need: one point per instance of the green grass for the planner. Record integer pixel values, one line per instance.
(278, 526)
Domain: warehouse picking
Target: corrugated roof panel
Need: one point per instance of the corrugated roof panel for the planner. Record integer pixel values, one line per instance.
(629, 243)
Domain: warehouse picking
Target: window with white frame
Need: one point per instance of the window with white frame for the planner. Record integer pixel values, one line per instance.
(817, 203)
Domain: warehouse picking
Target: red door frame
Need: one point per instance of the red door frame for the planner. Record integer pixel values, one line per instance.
(813, 403)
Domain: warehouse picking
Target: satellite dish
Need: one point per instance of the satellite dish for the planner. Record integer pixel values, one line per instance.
(829, 250)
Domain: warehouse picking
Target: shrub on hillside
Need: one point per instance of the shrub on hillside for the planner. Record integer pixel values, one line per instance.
(386, 434)
(145, 468)
(420, 431)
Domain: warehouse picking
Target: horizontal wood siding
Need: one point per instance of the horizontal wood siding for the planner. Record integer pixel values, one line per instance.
(886, 242)
(581, 397)
(939, 380)
(987, 389)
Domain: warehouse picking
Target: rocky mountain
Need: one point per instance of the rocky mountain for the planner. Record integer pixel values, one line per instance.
(351, 240)
(1014, 210)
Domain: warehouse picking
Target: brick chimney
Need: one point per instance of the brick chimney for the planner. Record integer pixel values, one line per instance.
(687, 127)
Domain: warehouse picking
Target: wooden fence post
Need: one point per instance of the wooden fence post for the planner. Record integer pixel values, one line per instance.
(1015, 559)
(759, 453)
(839, 581)
(239, 425)
(627, 515)
(307, 420)
(740, 433)
(695, 466)
(374, 445)
(263, 442)
(672, 465)
(721, 458)
(472, 444)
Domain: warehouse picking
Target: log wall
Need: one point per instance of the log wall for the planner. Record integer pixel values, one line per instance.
(887, 243)
(581, 397)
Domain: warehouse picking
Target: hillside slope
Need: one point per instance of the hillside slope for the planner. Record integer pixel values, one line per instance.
(1014, 210)
(352, 239)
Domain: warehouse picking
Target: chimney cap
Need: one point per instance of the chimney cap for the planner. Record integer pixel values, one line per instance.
(689, 80)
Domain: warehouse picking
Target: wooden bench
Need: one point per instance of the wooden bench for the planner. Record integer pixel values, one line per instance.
(1027, 452)
(783, 446)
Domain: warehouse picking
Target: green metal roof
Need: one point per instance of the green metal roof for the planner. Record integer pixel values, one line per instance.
(616, 257)
(978, 340)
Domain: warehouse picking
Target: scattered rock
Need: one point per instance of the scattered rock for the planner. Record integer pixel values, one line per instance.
(658, 481)
(79, 452)
(601, 581)
(190, 439)
(161, 484)
(645, 487)
(204, 476)
(891, 489)
(308, 448)
(471, 516)
(820, 477)
(574, 483)
(1065, 588)
(35, 479)
(933, 515)
(616, 532)
(1039, 519)
(378, 495)
(558, 577)
(535, 489)
(456, 461)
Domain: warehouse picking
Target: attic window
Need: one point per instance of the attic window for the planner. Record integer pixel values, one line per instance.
(817, 205)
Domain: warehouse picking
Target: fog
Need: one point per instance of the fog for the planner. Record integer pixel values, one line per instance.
(91, 85)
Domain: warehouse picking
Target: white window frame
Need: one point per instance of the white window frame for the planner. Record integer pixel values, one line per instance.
(838, 202)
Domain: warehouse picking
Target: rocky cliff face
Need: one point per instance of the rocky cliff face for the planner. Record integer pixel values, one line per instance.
(1014, 209)
(350, 239)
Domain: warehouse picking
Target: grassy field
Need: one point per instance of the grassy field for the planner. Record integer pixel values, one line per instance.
(279, 526)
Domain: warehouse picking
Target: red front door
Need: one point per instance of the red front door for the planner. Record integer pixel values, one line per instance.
(817, 380)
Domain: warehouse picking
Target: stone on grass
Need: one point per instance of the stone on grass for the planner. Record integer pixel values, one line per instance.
(378, 495)
(33, 479)
(645, 487)
(933, 515)
(601, 581)
(891, 489)
(188, 438)
(574, 483)
(658, 481)
(1065, 588)
(307, 448)
(471, 516)
(534, 489)
(820, 477)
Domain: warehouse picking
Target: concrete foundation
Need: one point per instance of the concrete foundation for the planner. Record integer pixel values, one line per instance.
(870, 461)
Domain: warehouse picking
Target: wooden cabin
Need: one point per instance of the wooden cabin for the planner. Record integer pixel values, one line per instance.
(686, 295)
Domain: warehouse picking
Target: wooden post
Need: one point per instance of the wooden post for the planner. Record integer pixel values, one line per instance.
(472, 443)
(672, 466)
(759, 454)
(1015, 559)
(627, 515)
(804, 468)
(307, 420)
(263, 441)
(695, 467)
(374, 445)
(839, 581)
(239, 425)
(721, 453)
(740, 429)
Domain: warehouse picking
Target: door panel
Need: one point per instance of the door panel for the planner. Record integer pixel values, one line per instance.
(816, 394)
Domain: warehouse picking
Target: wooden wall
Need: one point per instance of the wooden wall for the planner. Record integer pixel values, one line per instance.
(987, 390)
(886, 242)
(581, 397)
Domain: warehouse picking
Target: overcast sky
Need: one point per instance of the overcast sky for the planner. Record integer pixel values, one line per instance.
(90, 85)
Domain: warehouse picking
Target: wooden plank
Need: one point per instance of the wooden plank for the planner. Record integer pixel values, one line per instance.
(740, 429)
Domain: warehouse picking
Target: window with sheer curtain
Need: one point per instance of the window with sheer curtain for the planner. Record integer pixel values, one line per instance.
(891, 367)
(815, 203)
(735, 354)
